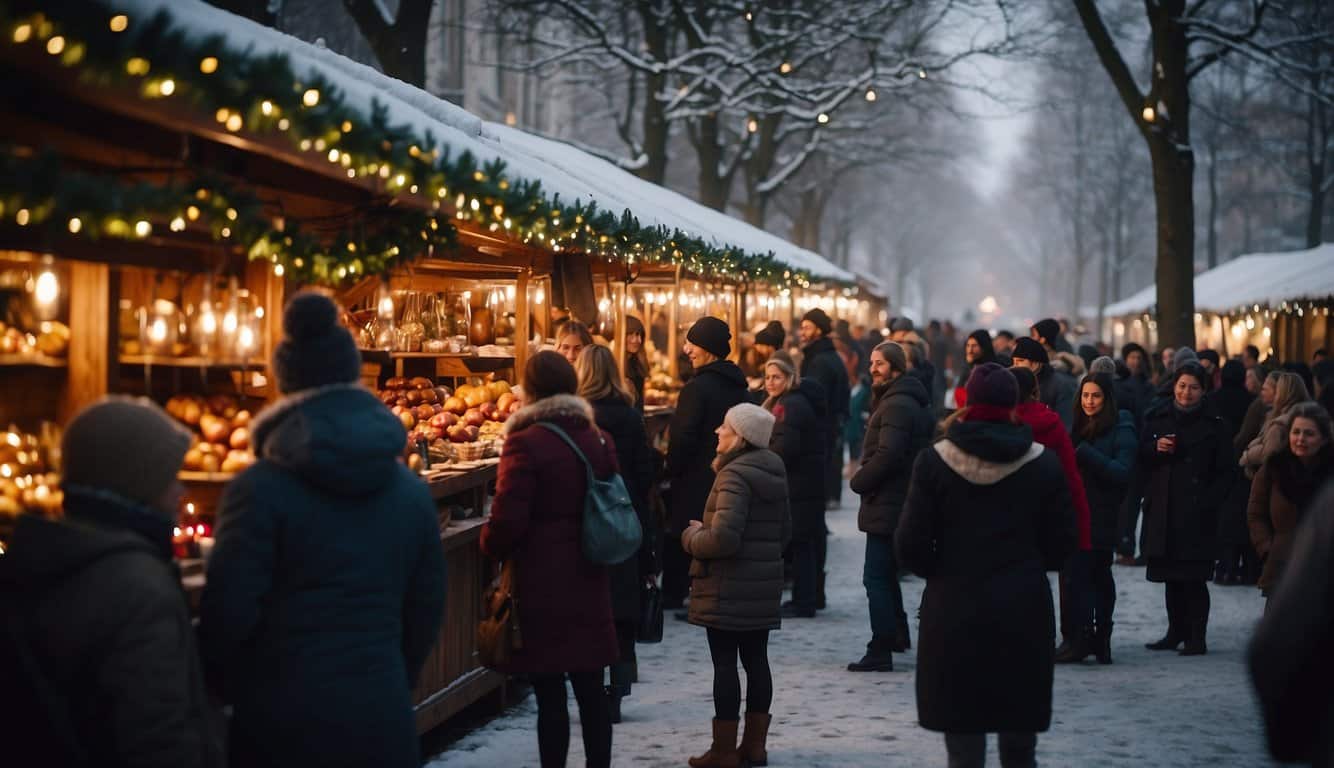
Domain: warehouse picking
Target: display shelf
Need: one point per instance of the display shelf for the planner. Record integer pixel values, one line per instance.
(32, 360)
(446, 363)
(189, 362)
(188, 476)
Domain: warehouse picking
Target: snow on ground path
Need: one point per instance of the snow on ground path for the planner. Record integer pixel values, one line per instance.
(1147, 708)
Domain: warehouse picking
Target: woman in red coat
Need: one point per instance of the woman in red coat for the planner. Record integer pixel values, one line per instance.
(564, 602)
(1076, 582)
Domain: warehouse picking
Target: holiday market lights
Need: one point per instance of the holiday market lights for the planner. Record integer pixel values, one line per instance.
(153, 59)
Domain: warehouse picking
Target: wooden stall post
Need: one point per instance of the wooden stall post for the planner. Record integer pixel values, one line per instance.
(673, 322)
(93, 314)
(734, 320)
(522, 319)
(622, 313)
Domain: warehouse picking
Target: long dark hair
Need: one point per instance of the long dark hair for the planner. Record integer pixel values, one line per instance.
(1087, 427)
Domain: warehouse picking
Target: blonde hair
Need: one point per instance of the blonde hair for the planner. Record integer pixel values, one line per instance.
(1289, 390)
(599, 377)
(792, 379)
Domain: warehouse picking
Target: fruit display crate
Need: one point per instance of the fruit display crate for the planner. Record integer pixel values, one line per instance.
(32, 360)
(435, 364)
(196, 361)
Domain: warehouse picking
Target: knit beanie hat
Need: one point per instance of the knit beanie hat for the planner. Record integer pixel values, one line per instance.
(316, 349)
(820, 320)
(712, 335)
(894, 354)
(1183, 356)
(1048, 329)
(990, 384)
(753, 423)
(1103, 364)
(1030, 349)
(900, 324)
(128, 446)
(1208, 354)
(771, 335)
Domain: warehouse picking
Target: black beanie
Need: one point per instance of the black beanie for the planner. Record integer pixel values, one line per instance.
(771, 335)
(712, 335)
(316, 350)
(1029, 349)
(1049, 330)
(820, 320)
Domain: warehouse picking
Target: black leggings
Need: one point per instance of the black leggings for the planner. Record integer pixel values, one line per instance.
(1104, 587)
(752, 647)
(553, 719)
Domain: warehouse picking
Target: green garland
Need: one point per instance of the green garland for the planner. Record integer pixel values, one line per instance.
(154, 58)
(40, 193)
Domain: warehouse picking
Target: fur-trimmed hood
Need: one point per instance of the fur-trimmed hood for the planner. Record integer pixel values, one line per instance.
(1070, 363)
(340, 438)
(554, 408)
(978, 470)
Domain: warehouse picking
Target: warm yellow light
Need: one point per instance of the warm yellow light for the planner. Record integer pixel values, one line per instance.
(266, 107)
(346, 126)
(1149, 115)
(178, 224)
(333, 155)
(46, 289)
(226, 232)
(284, 124)
(752, 125)
(137, 66)
(55, 45)
(142, 228)
(192, 213)
(75, 224)
(400, 179)
(786, 67)
(22, 33)
(246, 338)
(120, 22)
(278, 270)
(23, 216)
(921, 73)
(311, 97)
(870, 94)
(822, 118)
(222, 114)
(167, 87)
(157, 333)
(234, 122)
(208, 65)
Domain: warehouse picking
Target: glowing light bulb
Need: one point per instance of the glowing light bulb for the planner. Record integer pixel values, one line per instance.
(208, 322)
(311, 97)
(1149, 115)
(120, 22)
(752, 125)
(229, 322)
(540, 296)
(75, 224)
(208, 65)
(822, 118)
(870, 94)
(142, 228)
(157, 332)
(246, 339)
(46, 289)
(167, 87)
(278, 270)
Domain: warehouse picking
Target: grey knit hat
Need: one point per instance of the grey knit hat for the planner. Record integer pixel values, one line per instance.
(128, 446)
(1182, 356)
(754, 424)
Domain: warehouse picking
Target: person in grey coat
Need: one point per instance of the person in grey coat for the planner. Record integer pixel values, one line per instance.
(737, 575)
(899, 428)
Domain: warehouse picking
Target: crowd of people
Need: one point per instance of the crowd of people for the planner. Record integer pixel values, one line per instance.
(979, 465)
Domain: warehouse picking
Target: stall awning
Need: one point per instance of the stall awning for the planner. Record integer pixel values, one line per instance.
(563, 170)
(1258, 278)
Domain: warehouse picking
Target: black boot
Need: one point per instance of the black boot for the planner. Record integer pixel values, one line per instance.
(902, 635)
(1197, 623)
(1076, 648)
(1102, 643)
(879, 657)
(614, 703)
(819, 591)
(790, 610)
(1176, 620)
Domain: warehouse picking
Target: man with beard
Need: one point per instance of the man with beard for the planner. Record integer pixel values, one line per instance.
(900, 427)
(820, 361)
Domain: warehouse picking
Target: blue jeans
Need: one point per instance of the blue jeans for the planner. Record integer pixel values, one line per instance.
(880, 576)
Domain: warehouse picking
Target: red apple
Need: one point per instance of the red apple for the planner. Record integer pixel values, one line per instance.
(457, 433)
(474, 417)
(472, 432)
(488, 410)
(444, 420)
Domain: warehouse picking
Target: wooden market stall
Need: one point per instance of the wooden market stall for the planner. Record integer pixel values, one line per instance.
(170, 172)
(1279, 302)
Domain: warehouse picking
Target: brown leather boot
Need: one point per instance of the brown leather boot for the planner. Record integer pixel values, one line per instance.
(723, 753)
(752, 747)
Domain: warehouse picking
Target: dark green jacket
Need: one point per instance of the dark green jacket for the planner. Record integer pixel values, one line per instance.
(737, 573)
(325, 587)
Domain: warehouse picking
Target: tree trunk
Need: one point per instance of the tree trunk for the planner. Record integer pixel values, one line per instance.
(656, 131)
(1118, 237)
(1080, 256)
(1213, 204)
(714, 185)
(1317, 139)
(400, 47)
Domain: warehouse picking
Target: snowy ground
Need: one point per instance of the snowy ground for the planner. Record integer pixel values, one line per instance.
(1147, 708)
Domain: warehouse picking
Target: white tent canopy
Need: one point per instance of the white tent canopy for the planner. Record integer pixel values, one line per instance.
(1258, 278)
(573, 174)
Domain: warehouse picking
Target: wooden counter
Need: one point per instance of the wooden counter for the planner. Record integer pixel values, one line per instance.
(452, 679)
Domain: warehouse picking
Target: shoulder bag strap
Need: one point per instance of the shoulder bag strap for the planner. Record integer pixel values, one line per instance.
(563, 435)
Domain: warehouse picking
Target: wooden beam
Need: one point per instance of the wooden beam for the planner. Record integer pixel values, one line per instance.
(522, 321)
(93, 321)
(673, 323)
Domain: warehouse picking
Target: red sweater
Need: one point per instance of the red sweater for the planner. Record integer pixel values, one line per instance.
(1050, 432)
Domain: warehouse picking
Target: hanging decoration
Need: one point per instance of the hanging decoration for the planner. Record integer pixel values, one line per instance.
(155, 59)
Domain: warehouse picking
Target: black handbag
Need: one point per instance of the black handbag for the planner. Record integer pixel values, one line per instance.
(650, 614)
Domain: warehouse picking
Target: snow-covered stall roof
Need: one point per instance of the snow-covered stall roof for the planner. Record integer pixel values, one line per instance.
(563, 170)
(1258, 278)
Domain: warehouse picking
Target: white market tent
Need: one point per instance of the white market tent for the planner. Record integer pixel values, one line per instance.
(1264, 279)
(573, 174)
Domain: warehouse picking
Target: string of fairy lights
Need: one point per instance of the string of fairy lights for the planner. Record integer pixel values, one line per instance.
(155, 60)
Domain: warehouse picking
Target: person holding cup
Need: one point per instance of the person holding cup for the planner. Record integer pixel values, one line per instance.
(1186, 450)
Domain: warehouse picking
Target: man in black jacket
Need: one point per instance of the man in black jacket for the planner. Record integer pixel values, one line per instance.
(900, 427)
(1056, 388)
(717, 385)
(820, 361)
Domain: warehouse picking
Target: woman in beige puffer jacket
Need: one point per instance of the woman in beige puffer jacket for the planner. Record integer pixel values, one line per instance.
(737, 579)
